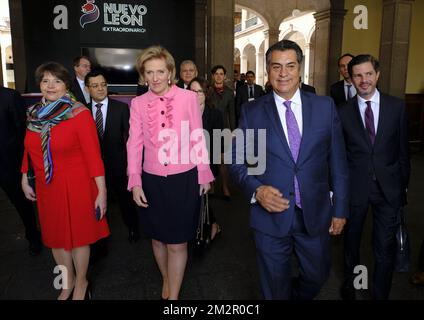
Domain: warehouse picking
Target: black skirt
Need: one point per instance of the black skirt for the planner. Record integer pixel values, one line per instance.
(174, 204)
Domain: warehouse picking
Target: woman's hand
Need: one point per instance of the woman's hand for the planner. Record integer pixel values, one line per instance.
(27, 189)
(139, 197)
(204, 188)
(101, 202)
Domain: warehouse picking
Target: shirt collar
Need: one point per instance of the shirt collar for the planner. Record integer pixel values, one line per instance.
(104, 102)
(296, 99)
(374, 99)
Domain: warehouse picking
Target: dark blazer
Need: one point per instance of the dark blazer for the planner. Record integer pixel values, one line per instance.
(242, 95)
(337, 93)
(307, 87)
(212, 119)
(322, 159)
(12, 130)
(79, 95)
(388, 159)
(225, 103)
(113, 144)
(180, 83)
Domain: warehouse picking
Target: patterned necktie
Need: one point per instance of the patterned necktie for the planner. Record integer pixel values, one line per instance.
(369, 122)
(349, 92)
(99, 119)
(250, 92)
(295, 138)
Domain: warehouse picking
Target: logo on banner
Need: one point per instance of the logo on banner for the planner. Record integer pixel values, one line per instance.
(90, 12)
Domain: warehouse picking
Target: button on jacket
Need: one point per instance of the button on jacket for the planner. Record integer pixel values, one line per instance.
(163, 127)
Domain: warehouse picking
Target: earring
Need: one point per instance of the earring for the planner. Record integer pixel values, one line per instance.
(169, 81)
(146, 84)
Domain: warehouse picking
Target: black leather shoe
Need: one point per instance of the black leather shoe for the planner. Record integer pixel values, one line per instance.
(35, 248)
(133, 236)
(347, 292)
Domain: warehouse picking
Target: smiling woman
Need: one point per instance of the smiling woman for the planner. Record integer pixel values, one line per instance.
(61, 141)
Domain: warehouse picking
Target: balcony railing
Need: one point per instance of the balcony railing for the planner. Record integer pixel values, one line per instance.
(251, 22)
(237, 28)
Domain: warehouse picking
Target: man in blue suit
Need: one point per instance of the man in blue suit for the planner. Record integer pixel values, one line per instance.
(291, 208)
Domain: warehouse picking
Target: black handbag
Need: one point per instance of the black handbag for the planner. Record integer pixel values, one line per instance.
(403, 249)
(31, 174)
(203, 233)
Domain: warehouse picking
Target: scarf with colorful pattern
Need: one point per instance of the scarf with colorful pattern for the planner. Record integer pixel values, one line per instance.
(43, 116)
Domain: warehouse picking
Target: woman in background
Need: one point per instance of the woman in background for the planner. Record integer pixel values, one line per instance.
(211, 119)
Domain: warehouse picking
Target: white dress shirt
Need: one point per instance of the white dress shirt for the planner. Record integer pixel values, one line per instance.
(375, 106)
(296, 107)
(352, 89)
(103, 108)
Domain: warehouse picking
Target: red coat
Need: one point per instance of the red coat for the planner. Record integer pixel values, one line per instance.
(66, 205)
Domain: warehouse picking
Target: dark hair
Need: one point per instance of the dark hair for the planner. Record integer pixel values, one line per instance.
(204, 84)
(345, 55)
(56, 69)
(284, 45)
(76, 60)
(250, 72)
(362, 58)
(215, 68)
(93, 74)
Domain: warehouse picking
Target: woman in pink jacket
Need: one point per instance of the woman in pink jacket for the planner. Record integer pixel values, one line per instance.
(168, 164)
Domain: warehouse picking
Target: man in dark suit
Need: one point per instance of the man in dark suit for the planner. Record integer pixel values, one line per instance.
(237, 82)
(188, 71)
(112, 122)
(248, 92)
(343, 90)
(82, 66)
(307, 87)
(288, 188)
(375, 132)
(12, 133)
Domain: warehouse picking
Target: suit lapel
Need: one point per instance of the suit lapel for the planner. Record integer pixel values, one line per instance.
(109, 117)
(271, 111)
(306, 119)
(382, 118)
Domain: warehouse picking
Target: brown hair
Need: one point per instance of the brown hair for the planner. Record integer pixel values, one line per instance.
(56, 69)
(155, 52)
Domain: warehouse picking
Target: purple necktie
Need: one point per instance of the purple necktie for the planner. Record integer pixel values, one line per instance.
(369, 122)
(293, 133)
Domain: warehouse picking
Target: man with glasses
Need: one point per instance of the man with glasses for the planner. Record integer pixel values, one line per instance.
(112, 122)
(82, 66)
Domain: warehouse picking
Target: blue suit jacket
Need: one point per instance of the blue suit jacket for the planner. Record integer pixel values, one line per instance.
(321, 163)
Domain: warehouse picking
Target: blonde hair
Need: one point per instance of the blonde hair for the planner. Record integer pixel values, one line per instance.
(155, 52)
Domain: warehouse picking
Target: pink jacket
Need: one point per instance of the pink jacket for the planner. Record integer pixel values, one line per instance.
(169, 129)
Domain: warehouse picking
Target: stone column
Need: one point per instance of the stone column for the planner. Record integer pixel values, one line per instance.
(221, 35)
(306, 54)
(243, 63)
(394, 46)
(201, 36)
(260, 68)
(271, 37)
(18, 44)
(1, 68)
(328, 44)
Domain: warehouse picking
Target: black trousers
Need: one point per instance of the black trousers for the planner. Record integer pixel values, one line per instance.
(385, 221)
(118, 185)
(10, 182)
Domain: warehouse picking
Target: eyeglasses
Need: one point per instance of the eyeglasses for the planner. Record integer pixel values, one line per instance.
(98, 85)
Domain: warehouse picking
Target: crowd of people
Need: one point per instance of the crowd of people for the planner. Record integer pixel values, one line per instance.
(328, 160)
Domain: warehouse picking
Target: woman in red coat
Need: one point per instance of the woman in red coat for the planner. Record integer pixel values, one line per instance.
(62, 145)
